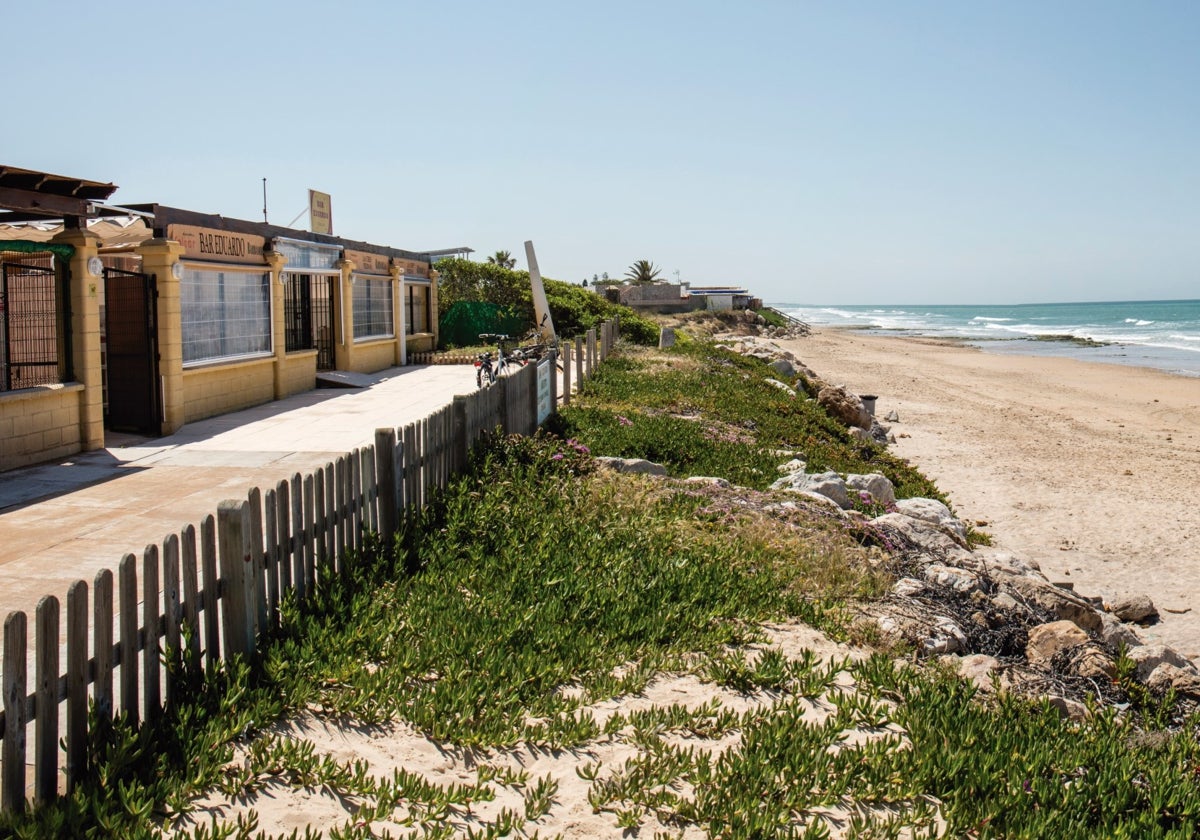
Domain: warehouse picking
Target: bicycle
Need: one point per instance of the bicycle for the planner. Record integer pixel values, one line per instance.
(538, 347)
(486, 373)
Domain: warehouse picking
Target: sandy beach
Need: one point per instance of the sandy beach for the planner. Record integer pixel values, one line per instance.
(1085, 468)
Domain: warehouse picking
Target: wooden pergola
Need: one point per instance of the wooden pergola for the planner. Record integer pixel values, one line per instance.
(29, 195)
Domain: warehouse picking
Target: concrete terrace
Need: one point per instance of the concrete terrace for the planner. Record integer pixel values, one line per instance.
(65, 521)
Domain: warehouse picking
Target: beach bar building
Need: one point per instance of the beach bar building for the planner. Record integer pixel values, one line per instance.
(144, 318)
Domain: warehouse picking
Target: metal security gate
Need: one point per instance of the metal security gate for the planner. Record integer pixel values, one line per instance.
(31, 343)
(131, 358)
(308, 313)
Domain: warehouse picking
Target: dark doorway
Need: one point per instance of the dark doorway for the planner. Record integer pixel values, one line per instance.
(308, 313)
(131, 357)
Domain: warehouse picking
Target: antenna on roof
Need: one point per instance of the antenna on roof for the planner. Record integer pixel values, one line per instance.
(265, 222)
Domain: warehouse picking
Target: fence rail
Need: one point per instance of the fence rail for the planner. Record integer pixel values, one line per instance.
(211, 593)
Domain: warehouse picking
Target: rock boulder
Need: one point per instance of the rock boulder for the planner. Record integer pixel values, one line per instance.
(843, 406)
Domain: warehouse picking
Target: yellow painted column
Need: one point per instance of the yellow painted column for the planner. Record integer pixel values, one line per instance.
(160, 258)
(398, 326)
(276, 261)
(433, 306)
(343, 351)
(85, 333)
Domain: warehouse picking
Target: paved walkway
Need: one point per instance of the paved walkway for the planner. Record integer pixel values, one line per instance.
(65, 521)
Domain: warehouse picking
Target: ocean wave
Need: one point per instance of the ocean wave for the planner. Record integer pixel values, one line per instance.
(1138, 322)
(985, 318)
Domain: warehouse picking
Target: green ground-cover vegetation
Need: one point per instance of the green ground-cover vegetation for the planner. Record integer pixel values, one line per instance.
(539, 585)
(701, 410)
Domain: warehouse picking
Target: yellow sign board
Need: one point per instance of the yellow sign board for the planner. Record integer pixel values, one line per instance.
(320, 212)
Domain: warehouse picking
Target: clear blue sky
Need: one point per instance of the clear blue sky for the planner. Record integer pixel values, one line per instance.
(840, 152)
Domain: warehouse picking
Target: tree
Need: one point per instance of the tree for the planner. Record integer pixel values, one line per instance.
(503, 259)
(643, 271)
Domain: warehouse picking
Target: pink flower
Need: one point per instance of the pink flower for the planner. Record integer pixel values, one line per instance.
(624, 421)
(557, 456)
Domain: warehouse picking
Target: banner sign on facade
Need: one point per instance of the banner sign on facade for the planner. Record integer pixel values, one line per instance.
(412, 268)
(320, 212)
(211, 245)
(367, 263)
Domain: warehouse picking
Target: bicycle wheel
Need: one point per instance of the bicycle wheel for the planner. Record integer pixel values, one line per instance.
(484, 376)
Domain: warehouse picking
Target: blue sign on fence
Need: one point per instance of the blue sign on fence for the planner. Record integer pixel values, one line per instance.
(545, 403)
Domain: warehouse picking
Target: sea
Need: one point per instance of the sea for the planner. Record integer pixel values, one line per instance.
(1162, 334)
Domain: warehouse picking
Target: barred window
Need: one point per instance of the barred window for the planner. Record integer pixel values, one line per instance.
(34, 349)
(226, 314)
(372, 307)
(416, 308)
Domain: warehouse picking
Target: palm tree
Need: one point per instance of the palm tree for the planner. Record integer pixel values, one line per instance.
(643, 271)
(503, 259)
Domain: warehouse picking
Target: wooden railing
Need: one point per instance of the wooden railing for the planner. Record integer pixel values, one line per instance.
(795, 322)
(213, 593)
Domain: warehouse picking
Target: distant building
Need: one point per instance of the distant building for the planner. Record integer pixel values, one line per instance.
(724, 298)
(450, 253)
(666, 298)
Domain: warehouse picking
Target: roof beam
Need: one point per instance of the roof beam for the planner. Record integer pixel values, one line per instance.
(45, 204)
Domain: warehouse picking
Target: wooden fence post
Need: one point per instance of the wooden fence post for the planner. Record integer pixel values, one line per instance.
(151, 682)
(322, 522)
(191, 597)
(356, 503)
(45, 727)
(459, 446)
(283, 504)
(554, 383)
(566, 374)
(341, 517)
(127, 594)
(77, 682)
(370, 489)
(12, 797)
(172, 615)
(310, 539)
(102, 643)
(412, 495)
(233, 526)
(271, 557)
(332, 526)
(297, 494)
(385, 470)
(210, 596)
(258, 563)
(579, 363)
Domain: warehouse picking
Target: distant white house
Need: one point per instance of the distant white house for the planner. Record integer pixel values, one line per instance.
(679, 297)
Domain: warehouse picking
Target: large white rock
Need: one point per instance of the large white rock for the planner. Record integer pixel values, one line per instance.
(880, 487)
(1046, 640)
(1060, 603)
(959, 580)
(1149, 657)
(639, 466)
(934, 512)
(787, 389)
(784, 368)
(827, 484)
(906, 533)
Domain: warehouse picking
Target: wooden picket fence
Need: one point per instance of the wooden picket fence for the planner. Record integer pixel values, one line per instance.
(212, 593)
